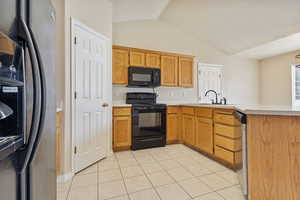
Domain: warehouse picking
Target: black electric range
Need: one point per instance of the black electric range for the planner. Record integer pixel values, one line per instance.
(148, 121)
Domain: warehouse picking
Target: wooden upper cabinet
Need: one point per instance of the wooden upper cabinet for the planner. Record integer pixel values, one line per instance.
(169, 70)
(186, 69)
(204, 134)
(152, 60)
(176, 69)
(120, 64)
(137, 58)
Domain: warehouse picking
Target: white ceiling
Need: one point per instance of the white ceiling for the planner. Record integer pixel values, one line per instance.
(277, 47)
(128, 10)
(232, 26)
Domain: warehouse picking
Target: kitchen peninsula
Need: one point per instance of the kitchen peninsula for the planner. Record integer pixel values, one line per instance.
(273, 142)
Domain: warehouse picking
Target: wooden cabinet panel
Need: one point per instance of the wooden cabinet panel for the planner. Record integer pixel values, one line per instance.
(228, 131)
(234, 158)
(120, 65)
(59, 132)
(173, 109)
(228, 143)
(172, 128)
(152, 60)
(273, 157)
(137, 58)
(188, 110)
(204, 112)
(121, 132)
(121, 128)
(169, 70)
(119, 111)
(186, 71)
(204, 134)
(226, 119)
(188, 129)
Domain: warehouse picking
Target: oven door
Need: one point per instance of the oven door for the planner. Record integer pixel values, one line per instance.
(140, 77)
(148, 122)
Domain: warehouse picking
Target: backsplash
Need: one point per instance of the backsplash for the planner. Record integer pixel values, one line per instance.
(166, 94)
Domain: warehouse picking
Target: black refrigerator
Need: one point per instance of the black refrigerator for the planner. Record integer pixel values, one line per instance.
(27, 100)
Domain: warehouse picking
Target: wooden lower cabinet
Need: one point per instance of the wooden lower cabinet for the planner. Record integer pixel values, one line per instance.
(227, 132)
(211, 131)
(273, 157)
(233, 158)
(121, 129)
(188, 129)
(172, 128)
(204, 135)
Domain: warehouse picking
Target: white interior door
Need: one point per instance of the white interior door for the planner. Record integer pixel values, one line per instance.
(90, 117)
(209, 78)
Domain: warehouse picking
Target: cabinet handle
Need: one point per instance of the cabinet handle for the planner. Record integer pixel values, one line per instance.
(105, 105)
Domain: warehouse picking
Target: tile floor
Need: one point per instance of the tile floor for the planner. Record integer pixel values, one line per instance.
(174, 172)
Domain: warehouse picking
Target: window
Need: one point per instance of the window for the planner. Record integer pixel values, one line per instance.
(209, 78)
(296, 85)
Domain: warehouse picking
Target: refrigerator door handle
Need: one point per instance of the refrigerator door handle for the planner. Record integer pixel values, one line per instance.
(43, 93)
(26, 155)
(37, 100)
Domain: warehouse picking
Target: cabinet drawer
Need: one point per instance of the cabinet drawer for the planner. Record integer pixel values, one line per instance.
(227, 143)
(234, 132)
(173, 109)
(188, 110)
(226, 119)
(204, 112)
(121, 111)
(225, 155)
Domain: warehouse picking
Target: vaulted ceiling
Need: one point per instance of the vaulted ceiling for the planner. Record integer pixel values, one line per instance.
(232, 26)
(128, 10)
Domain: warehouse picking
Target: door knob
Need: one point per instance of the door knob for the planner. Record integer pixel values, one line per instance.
(105, 105)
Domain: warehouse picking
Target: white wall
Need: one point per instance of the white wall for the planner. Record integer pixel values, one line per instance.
(241, 75)
(97, 14)
(59, 50)
(275, 79)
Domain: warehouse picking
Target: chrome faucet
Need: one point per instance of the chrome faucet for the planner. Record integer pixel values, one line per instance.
(216, 100)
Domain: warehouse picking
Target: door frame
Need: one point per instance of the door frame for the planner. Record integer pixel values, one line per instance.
(74, 23)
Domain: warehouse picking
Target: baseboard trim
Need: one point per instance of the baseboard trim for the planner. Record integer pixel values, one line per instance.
(65, 177)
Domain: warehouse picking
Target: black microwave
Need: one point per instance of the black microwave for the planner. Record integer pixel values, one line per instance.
(143, 77)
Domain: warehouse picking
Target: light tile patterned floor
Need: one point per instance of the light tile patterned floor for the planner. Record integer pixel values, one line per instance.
(174, 172)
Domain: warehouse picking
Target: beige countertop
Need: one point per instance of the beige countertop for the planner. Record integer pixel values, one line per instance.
(119, 104)
(246, 109)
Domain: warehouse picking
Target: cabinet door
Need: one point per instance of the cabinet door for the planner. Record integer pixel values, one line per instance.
(120, 67)
(169, 71)
(122, 132)
(188, 128)
(204, 134)
(152, 60)
(172, 128)
(137, 58)
(186, 71)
